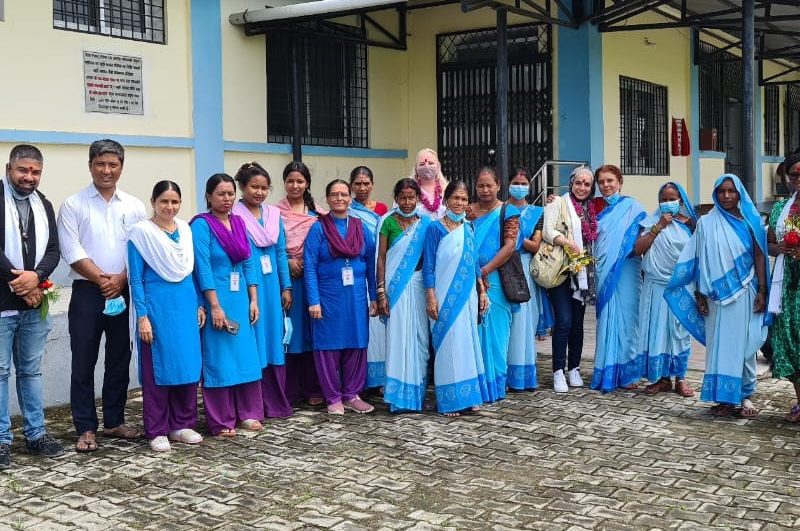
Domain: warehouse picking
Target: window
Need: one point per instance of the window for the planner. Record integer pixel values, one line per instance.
(643, 127)
(792, 117)
(720, 85)
(771, 120)
(333, 77)
(141, 20)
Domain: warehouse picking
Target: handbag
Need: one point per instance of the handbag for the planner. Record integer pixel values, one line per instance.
(547, 265)
(512, 274)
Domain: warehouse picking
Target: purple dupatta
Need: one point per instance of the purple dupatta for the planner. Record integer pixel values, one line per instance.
(234, 242)
(348, 247)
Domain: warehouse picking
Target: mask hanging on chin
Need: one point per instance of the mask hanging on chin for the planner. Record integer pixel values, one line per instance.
(455, 218)
(613, 199)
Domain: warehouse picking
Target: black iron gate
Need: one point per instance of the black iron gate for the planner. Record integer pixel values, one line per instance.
(466, 74)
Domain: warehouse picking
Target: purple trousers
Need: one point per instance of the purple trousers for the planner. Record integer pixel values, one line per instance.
(165, 408)
(227, 406)
(342, 373)
(301, 377)
(273, 392)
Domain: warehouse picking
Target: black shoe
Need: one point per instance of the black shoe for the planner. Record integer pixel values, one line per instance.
(5, 456)
(45, 445)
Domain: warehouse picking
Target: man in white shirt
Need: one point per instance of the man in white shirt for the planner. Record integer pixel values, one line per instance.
(93, 227)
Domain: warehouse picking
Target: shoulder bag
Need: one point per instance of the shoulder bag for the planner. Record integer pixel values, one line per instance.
(547, 265)
(512, 274)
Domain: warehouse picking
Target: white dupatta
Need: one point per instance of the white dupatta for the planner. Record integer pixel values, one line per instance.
(173, 261)
(13, 238)
(776, 290)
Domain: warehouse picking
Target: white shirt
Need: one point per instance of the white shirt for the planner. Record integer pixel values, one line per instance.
(90, 227)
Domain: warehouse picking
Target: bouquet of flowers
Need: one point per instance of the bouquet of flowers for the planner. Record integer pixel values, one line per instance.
(50, 294)
(576, 262)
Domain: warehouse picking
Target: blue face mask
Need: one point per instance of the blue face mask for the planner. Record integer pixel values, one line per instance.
(404, 215)
(613, 199)
(519, 191)
(456, 218)
(115, 306)
(670, 207)
(287, 330)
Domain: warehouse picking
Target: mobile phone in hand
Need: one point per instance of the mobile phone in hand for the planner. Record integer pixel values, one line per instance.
(231, 326)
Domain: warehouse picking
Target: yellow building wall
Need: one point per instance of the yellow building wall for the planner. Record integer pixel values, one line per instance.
(43, 86)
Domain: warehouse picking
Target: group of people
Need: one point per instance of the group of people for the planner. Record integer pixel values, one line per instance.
(263, 306)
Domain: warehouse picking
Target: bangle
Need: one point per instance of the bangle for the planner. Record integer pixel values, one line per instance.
(654, 230)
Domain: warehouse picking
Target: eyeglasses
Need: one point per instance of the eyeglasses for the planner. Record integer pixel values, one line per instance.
(338, 195)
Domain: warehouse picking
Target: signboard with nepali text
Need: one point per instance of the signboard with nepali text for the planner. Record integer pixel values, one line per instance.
(112, 83)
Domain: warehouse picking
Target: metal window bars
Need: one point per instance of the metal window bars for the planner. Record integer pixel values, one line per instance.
(141, 20)
(644, 144)
(771, 120)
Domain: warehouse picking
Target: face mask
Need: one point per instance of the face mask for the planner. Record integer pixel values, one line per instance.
(612, 199)
(519, 191)
(670, 207)
(428, 172)
(404, 215)
(115, 306)
(287, 330)
(456, 218)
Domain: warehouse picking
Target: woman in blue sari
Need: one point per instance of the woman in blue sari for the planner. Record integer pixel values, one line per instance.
(494, 250)
(719, 293)
(525, 323)
(619, 283)
(663, 341)
(401, 300)
(370, 212)
(455, 297)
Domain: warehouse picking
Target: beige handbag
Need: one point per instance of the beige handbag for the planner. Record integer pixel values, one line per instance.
(548, 264)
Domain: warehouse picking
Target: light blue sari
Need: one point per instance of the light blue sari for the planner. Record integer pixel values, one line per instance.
(407, 337)
(376, 349)
(495, 329)
(718, 262)
(458, 367)
(619, 284)
(525, 322)
(663, 341)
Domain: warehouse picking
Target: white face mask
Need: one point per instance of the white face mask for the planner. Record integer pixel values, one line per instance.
(428, 172)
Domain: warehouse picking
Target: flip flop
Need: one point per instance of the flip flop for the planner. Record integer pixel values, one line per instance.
(683, 389)
(722, 410)
(123, 431)
(658, 387)
(86, 443)
(748, 410)
(227, 432)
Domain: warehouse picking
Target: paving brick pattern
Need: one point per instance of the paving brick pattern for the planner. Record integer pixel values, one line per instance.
(537, 460)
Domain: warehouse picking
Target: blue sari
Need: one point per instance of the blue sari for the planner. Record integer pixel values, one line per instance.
(407, 337)
(663, 341)
(376, 349)
(449, 268)
(718, 262)
(525, 323)
(619, 283)
(495, 329)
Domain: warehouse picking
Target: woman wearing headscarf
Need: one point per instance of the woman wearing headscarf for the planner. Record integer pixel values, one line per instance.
(784, 299)
(719, 290)
(224, 273)
(427, 172)
(663, 341)
(169, 314)
(340, 287)
(619, 283)
(570, 221)
(268, 249)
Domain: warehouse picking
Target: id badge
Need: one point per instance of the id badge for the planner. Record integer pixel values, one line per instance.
(347, 276)
(234, 281)
(266, 265)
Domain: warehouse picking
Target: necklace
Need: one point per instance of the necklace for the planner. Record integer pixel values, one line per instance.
(487, 210)
(405, 222)
(162, 227)
(449, 224)
(433, 206)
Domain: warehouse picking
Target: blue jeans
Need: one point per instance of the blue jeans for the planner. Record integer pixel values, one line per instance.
(568, 328)
(22, 338)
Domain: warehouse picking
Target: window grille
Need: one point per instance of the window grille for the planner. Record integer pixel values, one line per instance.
(771, 120)
(333, 74)
(792, 117)
(643, 127)
(141, 20)
(720, 82)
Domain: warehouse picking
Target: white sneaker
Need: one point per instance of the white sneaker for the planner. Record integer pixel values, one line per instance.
(575, 379)
(559, 382)
(160, 444)
(186, 436)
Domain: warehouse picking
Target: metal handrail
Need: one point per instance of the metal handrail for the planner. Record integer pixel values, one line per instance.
(541, 178)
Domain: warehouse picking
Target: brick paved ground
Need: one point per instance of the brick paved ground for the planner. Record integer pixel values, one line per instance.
(535, 461)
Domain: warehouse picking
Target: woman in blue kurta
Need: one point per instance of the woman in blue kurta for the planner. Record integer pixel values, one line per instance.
(268, 249)
(225, 274)
(370, 214)
(340, 288)
(619, 283)
(494, 250)
(168, 318)
(525, 322)
(401, 300)
(719, 292)
(455, 298)
(663, 341)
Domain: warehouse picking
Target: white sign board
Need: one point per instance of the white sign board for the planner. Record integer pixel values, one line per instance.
(112, 83)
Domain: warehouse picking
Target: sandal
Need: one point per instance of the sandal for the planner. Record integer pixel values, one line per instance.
(123, 431)
(793, 415)
(86, 443)
(683, 389)
(315, 401)
(658, 387)
(722, 410)
(631, 387)
(748, 410)
(226, 432)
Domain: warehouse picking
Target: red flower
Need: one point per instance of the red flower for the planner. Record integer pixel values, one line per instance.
(792, 239)
(46, 284)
